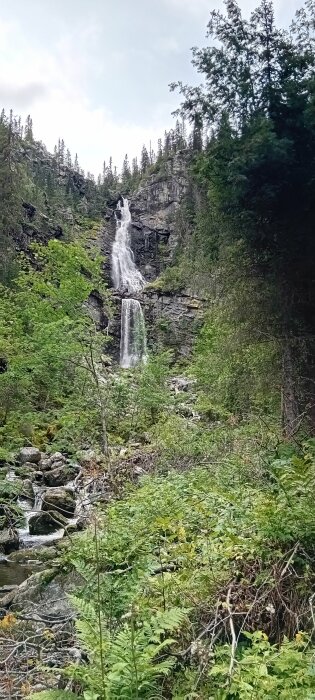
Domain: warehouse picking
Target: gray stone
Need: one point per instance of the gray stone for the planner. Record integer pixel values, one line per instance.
(44, 523)
(9, 541)
(45, 463)
(57, 457)
(61, 475)
(29, 454)
(60, 500)
(27, 490)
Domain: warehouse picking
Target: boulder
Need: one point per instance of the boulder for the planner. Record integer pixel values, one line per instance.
(9, 541)
(57, 457)
(29, 454)
(45, 463)
(61, 475)
(44, 523)
(38, 476)
(27, 490)
(88, 458)
(77, 526)
(60, 500)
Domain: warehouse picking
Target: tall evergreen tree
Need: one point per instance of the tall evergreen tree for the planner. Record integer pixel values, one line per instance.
(145, 160)
(258, 98)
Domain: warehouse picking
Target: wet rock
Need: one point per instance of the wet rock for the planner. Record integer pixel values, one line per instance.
(44, 523)
(38, 476)
(76, 526)
(60, 500)
(29, 454)
(27, 490)
(33, 555)
(29, 590)
(61, 475)
(9, 541)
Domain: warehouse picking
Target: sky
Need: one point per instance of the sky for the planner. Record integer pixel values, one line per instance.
(96, 72)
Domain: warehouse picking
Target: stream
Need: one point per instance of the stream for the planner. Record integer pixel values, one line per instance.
(12, 571)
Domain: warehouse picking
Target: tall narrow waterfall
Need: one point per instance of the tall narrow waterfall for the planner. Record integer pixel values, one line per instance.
(127, 278)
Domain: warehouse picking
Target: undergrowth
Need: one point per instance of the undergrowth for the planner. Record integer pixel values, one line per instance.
(194, 587)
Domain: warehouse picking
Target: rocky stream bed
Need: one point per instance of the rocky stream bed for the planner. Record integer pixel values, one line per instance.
(50, 499)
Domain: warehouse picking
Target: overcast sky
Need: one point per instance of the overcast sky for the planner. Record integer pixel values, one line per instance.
(96, 72)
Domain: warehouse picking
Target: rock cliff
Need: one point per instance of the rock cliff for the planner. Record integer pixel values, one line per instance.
(172, 318)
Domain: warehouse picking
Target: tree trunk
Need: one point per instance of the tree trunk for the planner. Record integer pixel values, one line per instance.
(290, 408)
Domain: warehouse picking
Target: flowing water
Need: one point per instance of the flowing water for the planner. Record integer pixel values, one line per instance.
(126, 276)
(128, 279)
(133, 345)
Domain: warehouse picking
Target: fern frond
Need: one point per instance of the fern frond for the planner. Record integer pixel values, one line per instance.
(54, 695)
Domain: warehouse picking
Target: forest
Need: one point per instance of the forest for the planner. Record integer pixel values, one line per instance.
(191, 575)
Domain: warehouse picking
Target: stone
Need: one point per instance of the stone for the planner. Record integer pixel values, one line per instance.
(61, 475)
(29, 454)
(38, 476)
(44, 523)
(57, 457)
(9, 541)
(60, 500)
(29, 590)
(27, 490)
(88, 458)
(76, 526)
(33, 555)
(45, 463)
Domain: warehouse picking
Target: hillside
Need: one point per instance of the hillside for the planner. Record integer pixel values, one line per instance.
(157, 459)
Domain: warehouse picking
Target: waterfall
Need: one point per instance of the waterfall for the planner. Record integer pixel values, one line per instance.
(133, 344)
(127, 278)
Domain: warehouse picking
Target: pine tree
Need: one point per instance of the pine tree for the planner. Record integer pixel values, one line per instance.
(135, 168)
(28, 130)
(160, 150)
(68, 159)
(145, 160)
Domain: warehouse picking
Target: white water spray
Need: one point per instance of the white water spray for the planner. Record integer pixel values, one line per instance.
(127, 278)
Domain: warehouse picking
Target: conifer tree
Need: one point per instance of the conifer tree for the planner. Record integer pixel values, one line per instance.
(145, 160)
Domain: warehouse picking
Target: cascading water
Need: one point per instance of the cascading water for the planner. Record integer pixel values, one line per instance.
(127, 278)
(133, 344)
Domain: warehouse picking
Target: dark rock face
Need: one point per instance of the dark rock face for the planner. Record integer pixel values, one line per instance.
(173, 319)
(95, 309)
(44, 523)
(153, 209)
(60, 500)
(9, 541)
(60, 475)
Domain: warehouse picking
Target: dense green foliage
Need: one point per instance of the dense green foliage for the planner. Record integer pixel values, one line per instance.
(197, 575)
(257, 169)
(45, 335)
(183, 562)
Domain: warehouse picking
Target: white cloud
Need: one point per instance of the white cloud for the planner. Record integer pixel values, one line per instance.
(194, 7)
(52, 85)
